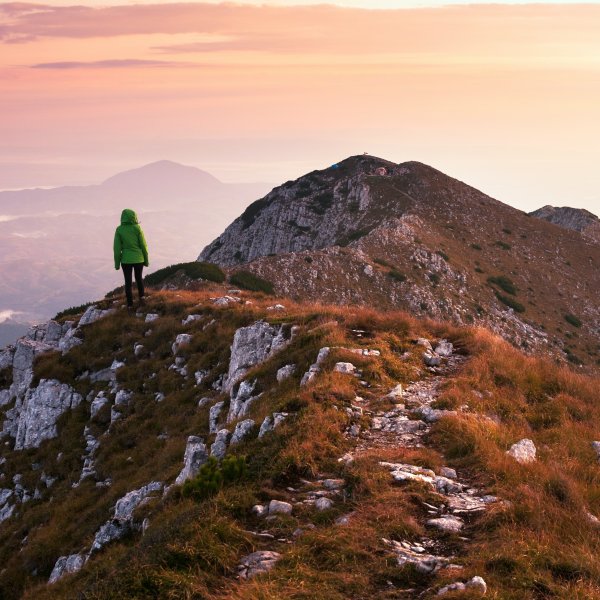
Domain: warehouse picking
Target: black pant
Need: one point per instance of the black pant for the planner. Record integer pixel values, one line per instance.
(137, 269)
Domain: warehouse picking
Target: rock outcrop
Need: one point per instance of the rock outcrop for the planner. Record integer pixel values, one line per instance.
(33, 419)
(251, 346)
(577, 219)
(195, 456)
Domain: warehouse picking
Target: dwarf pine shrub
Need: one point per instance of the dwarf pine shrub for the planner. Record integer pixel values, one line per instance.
(213, 476)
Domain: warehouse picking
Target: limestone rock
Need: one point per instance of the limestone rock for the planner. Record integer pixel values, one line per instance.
(213, 416)
(183, 339)
(476, 583)
(257, 563)
(190, 319)
(195, 456)
(448, 472)
(431, 360)
(93, 314)
(344, 367)
(444, 348)
(69, 340)
(447, 523)
(242, 429)
(271, 422)
(241, 400)
(150, 317)
(316, 366)
(7, 357)
(25, 352)
(596, 447)
(523, 451)
(66, 565)
(413, 554)
(129, 502)
(277, 507)
(285, 372)
(323, 504)
(219, 446)
(251, 346)
(396, 395)
(260, 510)
(138, 349)
(35, 418)
(109, 532)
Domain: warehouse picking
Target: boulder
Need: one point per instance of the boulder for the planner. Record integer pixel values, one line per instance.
(93, 314)
(344, 367)
(596, 447)
(190, 319)
(396, 395)
(66, 565)
(285, 373)
(97, 404)
(25, 352)
(444, 348)
(241, 400)
(195, 456)
(523, 451)
(242, 429)
(277, 507)
(129, 502)
(213, 416)
(69, 340)
(150, 317)
(219, 446)
(476, 583)
(251, 346)
(257, 563)
(447, 523)
(431, 360)
(109, 532)
(323, 504)
(315, 368)
(271, 422)
(35, 418)
(183, 339)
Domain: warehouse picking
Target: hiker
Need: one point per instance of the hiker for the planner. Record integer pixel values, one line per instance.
(131, 253)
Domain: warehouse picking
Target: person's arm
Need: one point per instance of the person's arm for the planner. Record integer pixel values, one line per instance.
(144, 247)
(117, 249)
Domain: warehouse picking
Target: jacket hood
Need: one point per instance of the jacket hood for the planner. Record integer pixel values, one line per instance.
(129, 216)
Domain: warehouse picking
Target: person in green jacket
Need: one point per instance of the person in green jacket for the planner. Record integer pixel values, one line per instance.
(131, 253)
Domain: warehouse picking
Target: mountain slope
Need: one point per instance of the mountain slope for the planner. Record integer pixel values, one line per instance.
(577, 219)
(361, 454)
(407, 236)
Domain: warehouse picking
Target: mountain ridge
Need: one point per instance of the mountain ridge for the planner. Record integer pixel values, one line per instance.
(410, 237)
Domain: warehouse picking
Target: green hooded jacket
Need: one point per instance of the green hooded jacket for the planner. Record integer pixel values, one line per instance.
(130, 246)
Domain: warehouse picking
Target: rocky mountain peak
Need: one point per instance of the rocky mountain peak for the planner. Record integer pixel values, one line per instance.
(578, 219)
(335, 206)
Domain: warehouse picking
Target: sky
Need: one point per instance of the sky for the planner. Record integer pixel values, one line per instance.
(502, 96)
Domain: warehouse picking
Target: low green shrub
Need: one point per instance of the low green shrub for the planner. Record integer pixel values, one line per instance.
(213, 476)
(249, 281)
(504, 283)
(397, 276)
(573, 320)
(72, 310)
(510, 302)
(194, 270)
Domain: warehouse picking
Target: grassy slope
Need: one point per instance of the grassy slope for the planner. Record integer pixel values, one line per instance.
(537, 545)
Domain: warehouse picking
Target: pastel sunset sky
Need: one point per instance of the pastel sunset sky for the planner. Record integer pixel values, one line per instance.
(503, 96)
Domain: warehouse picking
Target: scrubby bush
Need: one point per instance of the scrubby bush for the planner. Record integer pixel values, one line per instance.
(249, 281)
(213, 476)
(573, 320)
(72, 310)
(397, 276)
(194, 270)
(443, 255)
(504, 283)
(503, 245)
(511, 302)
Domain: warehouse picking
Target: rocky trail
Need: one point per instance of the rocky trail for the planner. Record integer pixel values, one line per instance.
(406, 425)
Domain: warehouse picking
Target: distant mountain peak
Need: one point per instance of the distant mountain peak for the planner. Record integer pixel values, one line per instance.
(577, 219)
(161, 172)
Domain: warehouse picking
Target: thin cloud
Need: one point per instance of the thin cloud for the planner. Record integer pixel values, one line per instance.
(104, 64)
